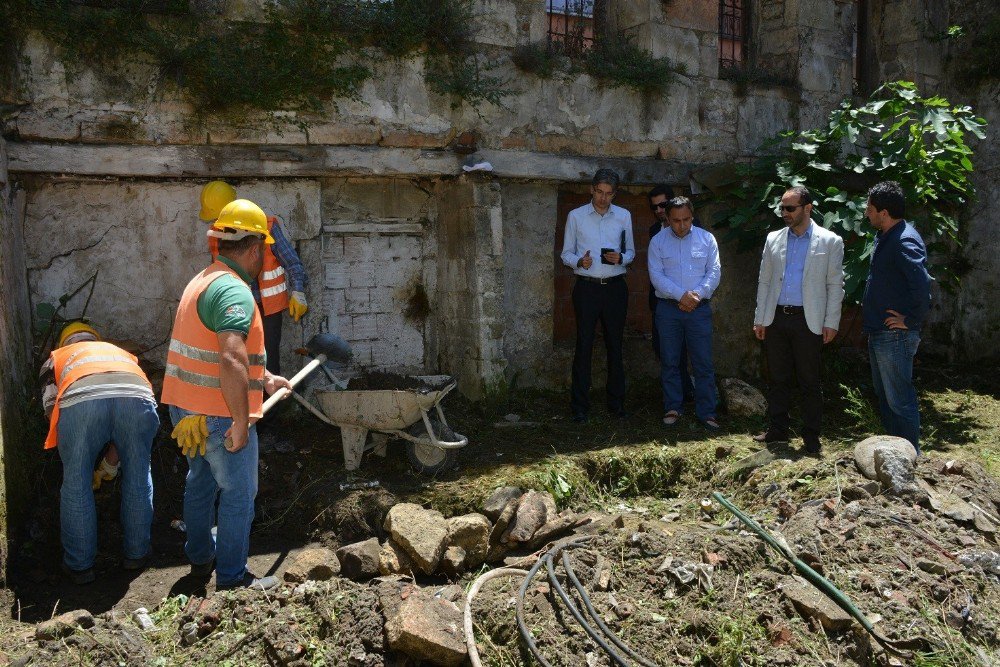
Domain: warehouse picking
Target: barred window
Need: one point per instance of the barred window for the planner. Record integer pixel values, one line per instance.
(733, 31)
(571, 25)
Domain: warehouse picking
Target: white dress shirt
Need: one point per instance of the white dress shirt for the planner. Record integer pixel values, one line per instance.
(678, 265)
(586, 229)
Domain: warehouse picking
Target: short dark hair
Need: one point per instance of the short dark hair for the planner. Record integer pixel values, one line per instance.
(681, 202)
(657, 191)
(805, 197)
(606, 176)
(239, 247)
(888, 196)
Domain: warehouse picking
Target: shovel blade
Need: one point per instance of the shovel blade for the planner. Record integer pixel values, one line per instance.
(332, 346)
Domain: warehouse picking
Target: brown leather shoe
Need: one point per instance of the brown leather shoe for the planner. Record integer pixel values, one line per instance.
(770, 437)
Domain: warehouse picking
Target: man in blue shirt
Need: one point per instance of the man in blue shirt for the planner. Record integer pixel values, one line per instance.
(598, 245)
(685, 271)
(896, 301)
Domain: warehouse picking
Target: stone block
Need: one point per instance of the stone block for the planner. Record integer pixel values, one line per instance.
(47, 125)
(336, 276)
(453, 562)
(809, 601)
(362, 274)
(360, 561)
(680, 45)
(363, 327)
(471, 532)
(427, 628)
(358, 249)
(392, 559)
(498, 501)
(407, 138)
(357, 300)
(420, 532)
(64, 625)
(315, 563)
(341, 134)
(361, 199)
(332, 247)
(864, 452)
(692, 14)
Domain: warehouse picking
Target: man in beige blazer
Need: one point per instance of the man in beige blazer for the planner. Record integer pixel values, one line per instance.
(799, 293)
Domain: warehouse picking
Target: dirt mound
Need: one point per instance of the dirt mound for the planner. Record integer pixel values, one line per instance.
(380, 380)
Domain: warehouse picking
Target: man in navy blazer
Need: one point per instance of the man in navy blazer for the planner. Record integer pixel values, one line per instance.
(799, 294)
(897, 298)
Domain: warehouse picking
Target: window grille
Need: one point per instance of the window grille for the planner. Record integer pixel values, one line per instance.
(733, 20)
(571, 25)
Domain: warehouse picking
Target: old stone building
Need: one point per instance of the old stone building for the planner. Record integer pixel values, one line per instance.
(420, 265)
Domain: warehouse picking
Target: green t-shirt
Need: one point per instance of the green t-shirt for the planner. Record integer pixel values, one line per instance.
(227, 304)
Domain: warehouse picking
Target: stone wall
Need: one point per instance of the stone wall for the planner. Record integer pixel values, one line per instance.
(20, 440)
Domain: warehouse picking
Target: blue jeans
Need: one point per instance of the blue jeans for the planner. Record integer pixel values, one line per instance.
(229, 478)
(694, 330)
(84, 429)
(891, 354)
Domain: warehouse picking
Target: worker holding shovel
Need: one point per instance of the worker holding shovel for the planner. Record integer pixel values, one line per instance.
(214, 383)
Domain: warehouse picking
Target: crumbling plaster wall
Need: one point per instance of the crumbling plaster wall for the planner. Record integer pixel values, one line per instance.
(18, 450)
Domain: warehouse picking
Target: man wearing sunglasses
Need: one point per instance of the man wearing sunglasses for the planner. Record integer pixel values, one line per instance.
(598, 245)
(799, 293)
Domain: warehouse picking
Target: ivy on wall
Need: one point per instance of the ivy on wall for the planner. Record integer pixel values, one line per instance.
(298, 55)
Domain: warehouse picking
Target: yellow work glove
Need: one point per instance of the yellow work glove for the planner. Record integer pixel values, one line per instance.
(105, 473)
(297, 305)
(191, 434)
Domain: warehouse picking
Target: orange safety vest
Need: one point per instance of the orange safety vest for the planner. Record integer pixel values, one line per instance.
(274, 295)
(192, 379)
(72, 362)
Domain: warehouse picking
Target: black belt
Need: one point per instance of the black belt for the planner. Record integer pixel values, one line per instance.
(603, 281)
(791, 310)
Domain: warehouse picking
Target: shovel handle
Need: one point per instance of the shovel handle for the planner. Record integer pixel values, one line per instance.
(284, 391)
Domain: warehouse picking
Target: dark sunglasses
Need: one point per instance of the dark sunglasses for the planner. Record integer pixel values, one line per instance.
(662, 204)
(791, 209)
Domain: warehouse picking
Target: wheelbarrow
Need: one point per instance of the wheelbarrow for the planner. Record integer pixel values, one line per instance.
(431, 445)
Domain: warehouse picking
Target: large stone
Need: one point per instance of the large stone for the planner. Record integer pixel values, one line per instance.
(498, 500)
(359, 561)
(453, 562)
(532, 514)
(742, 399)
(420, 532)
(499, 533)
(426, 628)
(64, 625)
(471, 532)
(315, 563)
(809, 601)
(393, 560)
(895, 473)
(556, 526)
(864, 452)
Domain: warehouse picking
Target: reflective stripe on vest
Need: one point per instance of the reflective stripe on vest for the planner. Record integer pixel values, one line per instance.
(192, 379)
(79, 360)
(271, 282)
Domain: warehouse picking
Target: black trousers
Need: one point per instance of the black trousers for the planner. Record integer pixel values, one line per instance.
(793, 355)
(607, 304)
(272, 340)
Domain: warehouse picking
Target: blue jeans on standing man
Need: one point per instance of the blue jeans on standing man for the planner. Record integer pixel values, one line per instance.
(231, 479)
(84, 429)
(694, 329)
(891, 355)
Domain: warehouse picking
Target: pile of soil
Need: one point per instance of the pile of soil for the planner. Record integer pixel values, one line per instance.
(382, 380)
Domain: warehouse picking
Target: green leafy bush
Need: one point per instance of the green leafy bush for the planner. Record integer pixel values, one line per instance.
(619, 62)
(896, 135)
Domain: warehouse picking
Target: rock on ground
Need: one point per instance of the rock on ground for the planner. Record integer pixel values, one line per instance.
(393, 560)
(426, 628)
(809, 601)
(64, 624)
(452, 563)
(316, 563)
(864, 452)
(420, 532)
(359, 561)
(498, 500)
(895, 473)
(742, 399)
(471, 532)
(532, 514)
(500, 529)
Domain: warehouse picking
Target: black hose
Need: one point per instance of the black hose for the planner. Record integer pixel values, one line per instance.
(519, 615)
(597, 617)
(554, 581)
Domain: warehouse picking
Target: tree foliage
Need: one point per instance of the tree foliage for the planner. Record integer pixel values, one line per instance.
(896, 135)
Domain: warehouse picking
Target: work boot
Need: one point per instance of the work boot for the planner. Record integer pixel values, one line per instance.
(812, 444)
(134, 564)
(80, 577)
(771, 436)
(202, 570)
(251, 581)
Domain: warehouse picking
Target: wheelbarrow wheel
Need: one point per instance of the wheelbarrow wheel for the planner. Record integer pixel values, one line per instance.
(428, 459)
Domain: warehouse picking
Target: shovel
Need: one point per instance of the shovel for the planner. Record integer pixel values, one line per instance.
(321, 347)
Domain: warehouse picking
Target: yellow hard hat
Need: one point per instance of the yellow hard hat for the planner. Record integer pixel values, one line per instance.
(238, 219)
(214, 196)
(73, 330)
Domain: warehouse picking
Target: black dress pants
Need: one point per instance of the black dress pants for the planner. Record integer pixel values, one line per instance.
(794, 355)
(607, 304)
(272, 340)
